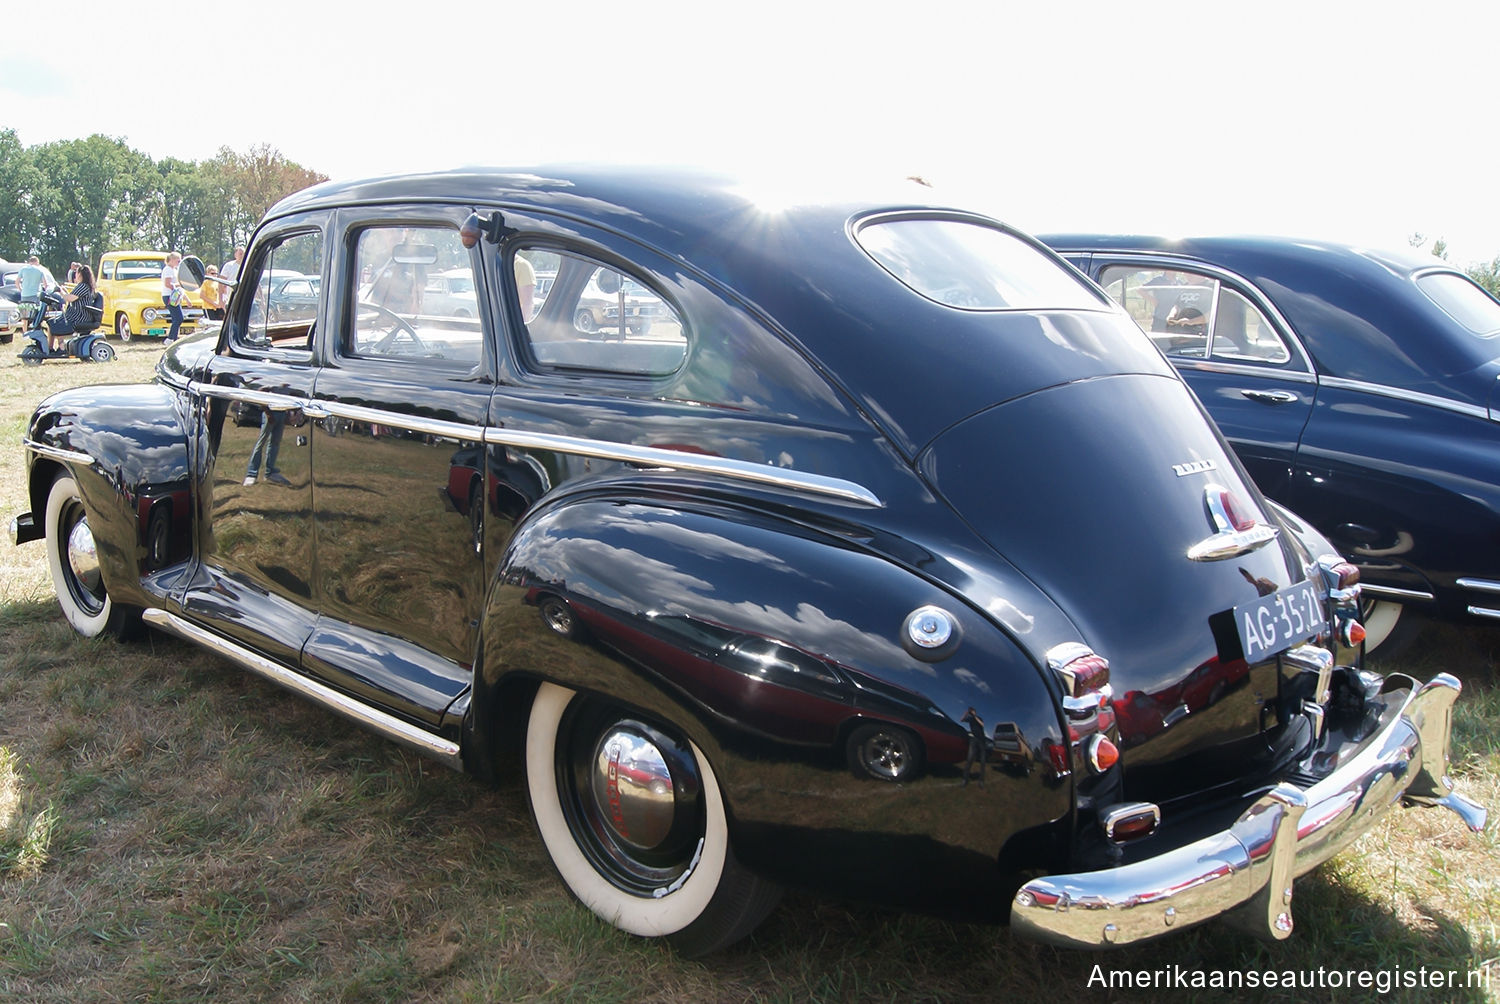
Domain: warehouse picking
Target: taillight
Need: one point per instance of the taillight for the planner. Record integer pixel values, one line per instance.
(1087, 713)
(1131, 821)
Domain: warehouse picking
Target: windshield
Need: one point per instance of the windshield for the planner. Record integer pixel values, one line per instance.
(973, 266)
(139, 268)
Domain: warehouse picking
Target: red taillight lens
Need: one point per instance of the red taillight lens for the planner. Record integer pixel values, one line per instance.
(1102, 754)
(1234, 510)
(1132, 821)
(1351, 633)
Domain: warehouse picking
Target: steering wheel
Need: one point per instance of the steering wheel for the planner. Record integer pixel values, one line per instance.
(399, 327)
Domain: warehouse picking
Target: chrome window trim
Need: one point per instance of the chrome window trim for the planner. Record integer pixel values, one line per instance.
(1300, 362)
(647, 456)
(57, 452)
(1244, 369)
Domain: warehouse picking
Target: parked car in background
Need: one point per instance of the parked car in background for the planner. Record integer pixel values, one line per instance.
(131, 284)
(607, 297)
(726, 596)
(450, 292)
(12, 320)
(293, 296)
(1357, 386)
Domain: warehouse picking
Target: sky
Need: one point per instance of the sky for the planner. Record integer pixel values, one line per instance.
(1366, 122)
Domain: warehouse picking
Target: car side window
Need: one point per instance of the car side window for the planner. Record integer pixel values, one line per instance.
(414, 297)
(278, 319)
(1194, 316)
(583, 314)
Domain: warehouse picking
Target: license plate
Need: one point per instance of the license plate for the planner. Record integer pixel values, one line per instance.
(156, 331)
(1278, 621)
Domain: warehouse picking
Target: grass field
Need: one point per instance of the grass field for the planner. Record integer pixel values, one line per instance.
(174, 830)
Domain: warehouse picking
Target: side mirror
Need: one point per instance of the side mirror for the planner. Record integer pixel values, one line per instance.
(607, 281)
(190, 272)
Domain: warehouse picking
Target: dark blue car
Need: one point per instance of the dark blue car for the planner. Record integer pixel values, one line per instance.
(1358, 387)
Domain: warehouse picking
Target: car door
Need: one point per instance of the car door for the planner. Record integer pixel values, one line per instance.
(401, 407)
(254, 470)
(1232, 348)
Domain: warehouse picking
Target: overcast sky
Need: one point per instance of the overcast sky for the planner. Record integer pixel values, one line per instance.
(1366, 122)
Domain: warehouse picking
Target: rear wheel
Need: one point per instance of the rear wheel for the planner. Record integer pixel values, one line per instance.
(633, 818)
(73, 561)
(100, 352)
(584, 321)
(1389, 627)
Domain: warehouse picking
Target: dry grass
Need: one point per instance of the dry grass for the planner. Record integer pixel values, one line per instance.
(173, 830)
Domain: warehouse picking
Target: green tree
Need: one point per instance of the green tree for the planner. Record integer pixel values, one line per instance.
(22, 187)
(1487, 275)
(92, 190)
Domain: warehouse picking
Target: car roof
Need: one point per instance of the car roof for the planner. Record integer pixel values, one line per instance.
(1358, 309)
(777, 248)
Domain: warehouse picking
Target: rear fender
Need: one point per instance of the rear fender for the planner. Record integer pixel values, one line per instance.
(770, 645)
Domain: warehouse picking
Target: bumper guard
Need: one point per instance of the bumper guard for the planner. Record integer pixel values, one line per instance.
(1244, 874)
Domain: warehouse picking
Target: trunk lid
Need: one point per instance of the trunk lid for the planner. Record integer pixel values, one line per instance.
(1100, 490)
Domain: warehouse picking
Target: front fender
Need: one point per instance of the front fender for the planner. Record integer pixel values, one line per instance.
(126, 446)
(769, 645)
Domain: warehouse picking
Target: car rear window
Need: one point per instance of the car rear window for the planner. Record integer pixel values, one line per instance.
(1464, 301)
(972, 266)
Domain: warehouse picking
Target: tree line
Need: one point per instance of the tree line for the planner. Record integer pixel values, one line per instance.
(73, 200)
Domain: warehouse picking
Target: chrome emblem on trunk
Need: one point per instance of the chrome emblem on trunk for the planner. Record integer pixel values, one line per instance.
(1196, 467)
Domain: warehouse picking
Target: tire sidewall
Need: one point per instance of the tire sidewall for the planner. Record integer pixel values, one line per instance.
(663, 914)
(64, 491)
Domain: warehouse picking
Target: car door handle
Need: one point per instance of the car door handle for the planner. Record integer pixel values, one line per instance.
(1270, 396)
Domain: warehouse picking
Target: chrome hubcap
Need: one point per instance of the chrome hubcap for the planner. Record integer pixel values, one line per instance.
(632, 789)
(82, 557)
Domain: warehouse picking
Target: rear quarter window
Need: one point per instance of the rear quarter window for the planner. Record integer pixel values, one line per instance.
(1464, 301)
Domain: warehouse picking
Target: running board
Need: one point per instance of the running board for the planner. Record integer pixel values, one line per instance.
(375, 720)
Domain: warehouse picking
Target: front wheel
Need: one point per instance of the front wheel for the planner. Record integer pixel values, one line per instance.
(633, 818)
(32, 355)
(122, 327)
(73, 560)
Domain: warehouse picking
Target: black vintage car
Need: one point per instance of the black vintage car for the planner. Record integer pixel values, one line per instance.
(1357, 386)
(739, 593)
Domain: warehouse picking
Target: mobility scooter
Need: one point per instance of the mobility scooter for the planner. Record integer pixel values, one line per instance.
(82, 342)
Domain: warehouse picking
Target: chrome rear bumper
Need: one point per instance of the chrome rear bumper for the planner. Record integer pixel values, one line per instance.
(1245, 873)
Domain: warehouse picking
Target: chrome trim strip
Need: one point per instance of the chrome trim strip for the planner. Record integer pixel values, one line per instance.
(1267, 372)
(1396, 594)
(651, 456)
(56, 452)
(1485, 612)
(1410, 396)
(275, 402)
(371, 718)
(461, 431)
(1482, 585)
(647, 456)
(1244, 873)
